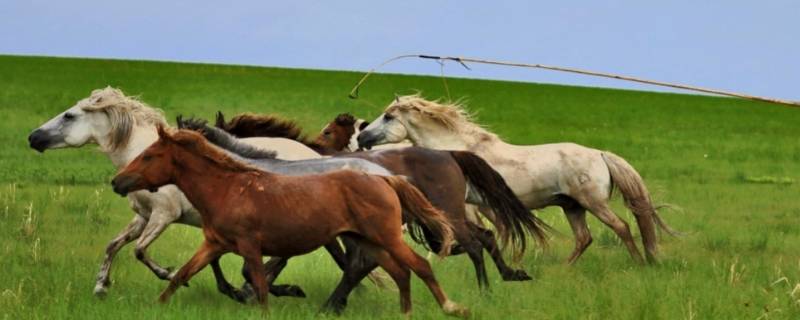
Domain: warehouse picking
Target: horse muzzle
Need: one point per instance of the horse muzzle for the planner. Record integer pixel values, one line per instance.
(122, 185)
(39, 140)
(366, 140)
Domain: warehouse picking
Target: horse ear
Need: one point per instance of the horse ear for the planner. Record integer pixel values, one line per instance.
(162, 132)
(220, 120)
(179, 122)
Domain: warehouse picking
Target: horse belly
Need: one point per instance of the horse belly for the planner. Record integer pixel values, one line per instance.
(293, 244)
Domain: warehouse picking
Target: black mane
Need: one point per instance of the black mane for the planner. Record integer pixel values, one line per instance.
(224, 140)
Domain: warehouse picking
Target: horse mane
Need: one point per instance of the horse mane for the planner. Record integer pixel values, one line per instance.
(197, 144)
(248, 125)
(224, 140)
(124, 112)
(345, 120)
(452, 115)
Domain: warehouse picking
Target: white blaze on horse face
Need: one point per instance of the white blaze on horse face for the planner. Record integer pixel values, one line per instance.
(353, 145)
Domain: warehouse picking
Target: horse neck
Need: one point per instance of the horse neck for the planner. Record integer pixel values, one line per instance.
(203, 181)
(464, 138)
(141, 137)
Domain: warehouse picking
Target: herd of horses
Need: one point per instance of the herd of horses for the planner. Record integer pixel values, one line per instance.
(258, 187)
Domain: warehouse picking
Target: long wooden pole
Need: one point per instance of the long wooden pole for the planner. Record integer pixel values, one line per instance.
(462, 61)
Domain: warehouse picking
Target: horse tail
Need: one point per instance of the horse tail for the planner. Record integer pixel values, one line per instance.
(637, 199)
(420, 210)
(512, 217)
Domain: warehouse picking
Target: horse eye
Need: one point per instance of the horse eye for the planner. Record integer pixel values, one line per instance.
(147, 158)
(388, 117)
(327, 133)
(69, 116)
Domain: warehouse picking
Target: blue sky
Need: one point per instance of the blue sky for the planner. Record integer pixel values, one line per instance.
(747, 46)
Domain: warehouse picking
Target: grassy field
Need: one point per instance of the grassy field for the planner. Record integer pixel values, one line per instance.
(730, 165)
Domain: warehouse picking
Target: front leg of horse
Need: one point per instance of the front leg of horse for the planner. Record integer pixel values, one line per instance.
(358, 266)
(206, 254)
(272, 269)
(224, 286)
(131, 231)
(159, 220)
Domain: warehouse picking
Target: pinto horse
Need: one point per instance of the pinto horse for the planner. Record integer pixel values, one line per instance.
(253, 213)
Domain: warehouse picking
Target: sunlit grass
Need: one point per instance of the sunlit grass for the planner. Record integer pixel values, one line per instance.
(725, 163)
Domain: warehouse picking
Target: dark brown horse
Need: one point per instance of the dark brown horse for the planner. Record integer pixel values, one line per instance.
(254, 213)
(441, 176)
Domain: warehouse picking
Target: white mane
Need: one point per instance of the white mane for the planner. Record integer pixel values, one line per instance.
(123, 112)
(451, 115)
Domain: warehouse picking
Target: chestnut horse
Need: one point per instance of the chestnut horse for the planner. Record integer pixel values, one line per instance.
(509, 213)
(253, 213)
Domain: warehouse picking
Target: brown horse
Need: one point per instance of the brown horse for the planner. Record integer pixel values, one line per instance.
(254, 213)
(440, 175)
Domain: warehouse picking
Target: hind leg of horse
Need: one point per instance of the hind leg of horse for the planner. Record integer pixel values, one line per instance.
(620, 227)
(397, 270)
(131, 231)
(359, 265)
(159, 220)
(403, 254)
(576, 215)
(207, 253)
(474, 250)
(489, 243)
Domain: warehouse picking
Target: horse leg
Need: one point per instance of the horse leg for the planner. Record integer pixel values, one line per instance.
(620, 227)
(224, 286)
(275, 266)
(403, 254)
(208, 252)
(474, 250)
(131, 231)
(272, 269)
(252, 260)
(576, 215)
(398, 271)
(358, 267)
(159, 220)
(487, 239)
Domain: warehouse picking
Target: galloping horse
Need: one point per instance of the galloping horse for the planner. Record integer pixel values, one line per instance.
(123, 126)
(252, 212)
(442, 177)
(407, 161)
(574, 177)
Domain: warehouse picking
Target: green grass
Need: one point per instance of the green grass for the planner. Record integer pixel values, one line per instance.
(727, 163)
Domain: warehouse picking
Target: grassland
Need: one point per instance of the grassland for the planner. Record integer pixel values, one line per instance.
(728, 164)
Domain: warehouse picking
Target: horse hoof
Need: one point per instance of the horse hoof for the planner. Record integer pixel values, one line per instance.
(517, 275)
(100, 291)
(453, 309)
(295, 291)
(335, 308)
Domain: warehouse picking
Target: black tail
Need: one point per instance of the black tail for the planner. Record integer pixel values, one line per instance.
(511, 215)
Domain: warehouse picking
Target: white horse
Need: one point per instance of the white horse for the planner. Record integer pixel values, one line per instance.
(568, 175)
(123, 127)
